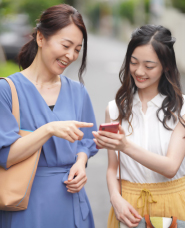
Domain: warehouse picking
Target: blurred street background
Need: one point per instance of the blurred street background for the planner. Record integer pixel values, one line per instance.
(109, 24)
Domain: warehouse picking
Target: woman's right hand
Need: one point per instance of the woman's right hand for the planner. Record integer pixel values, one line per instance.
(68, 129)
(125, 212)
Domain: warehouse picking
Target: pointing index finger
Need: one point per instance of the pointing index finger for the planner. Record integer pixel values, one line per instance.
(84, 124)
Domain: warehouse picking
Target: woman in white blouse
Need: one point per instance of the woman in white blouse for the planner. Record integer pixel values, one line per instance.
(151, 107)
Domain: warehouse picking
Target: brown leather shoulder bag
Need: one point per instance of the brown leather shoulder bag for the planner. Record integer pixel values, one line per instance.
(16, 182)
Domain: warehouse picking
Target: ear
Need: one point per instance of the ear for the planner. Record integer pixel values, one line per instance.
(39, 38)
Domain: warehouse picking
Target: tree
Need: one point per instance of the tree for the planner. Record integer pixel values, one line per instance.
(34, 8)
(179, 4)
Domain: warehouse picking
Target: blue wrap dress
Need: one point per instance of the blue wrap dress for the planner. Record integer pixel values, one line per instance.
(50, 205)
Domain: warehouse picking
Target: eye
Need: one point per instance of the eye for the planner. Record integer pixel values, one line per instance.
(65, 46)
(149, 67)
(132, 63)
(78, 51)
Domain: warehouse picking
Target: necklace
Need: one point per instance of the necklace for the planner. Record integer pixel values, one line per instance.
(52, 85)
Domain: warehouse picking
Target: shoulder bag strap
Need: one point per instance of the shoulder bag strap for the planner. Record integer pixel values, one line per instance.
(119, 164)
(15, 100)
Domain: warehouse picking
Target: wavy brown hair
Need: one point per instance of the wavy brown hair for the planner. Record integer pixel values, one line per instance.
(169, 85)
(52, 20)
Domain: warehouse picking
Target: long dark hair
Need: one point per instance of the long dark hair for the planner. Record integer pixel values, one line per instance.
(52, 20)
(162, 42)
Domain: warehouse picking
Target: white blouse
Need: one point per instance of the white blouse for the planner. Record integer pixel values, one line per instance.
(149, 133)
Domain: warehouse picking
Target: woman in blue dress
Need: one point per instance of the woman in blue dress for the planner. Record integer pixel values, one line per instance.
(59, 113)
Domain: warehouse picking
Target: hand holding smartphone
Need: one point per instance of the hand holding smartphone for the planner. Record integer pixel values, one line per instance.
(110, 127)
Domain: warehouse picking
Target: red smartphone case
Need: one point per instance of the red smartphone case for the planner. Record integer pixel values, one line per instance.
(110, 127)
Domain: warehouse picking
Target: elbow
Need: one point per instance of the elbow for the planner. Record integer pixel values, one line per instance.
(170, 172)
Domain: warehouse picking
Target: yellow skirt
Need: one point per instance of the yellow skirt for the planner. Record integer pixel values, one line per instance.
(164, 199)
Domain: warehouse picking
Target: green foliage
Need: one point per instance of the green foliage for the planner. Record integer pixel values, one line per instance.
(6, 7)
(70, 2)
(34, 8)
(147, 10)
(147, 6)
(179, 4)
(127, 9)
(8, 68)
(95, 11)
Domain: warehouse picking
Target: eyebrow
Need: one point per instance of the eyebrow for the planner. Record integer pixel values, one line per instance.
(72, 42)
(147, 61)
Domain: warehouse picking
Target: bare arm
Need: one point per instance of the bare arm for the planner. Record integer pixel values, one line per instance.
(24, 147)
(112, 181)
(165, 165)
(123, 210)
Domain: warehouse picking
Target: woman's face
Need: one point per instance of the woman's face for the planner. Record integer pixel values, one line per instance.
(61, 49)
(145, 67)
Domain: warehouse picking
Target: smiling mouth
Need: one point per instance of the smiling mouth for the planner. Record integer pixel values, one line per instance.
(141, 79)
(62, 63)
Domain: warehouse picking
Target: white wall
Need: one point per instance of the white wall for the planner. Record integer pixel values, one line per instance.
(175, 21)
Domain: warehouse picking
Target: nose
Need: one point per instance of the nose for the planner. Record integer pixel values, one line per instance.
(140, 71)
(70, 55)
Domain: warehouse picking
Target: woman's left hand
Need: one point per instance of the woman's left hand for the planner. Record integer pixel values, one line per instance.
(77, 177)
(110, 140)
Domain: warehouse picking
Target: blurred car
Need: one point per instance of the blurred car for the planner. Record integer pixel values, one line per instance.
(14, 33)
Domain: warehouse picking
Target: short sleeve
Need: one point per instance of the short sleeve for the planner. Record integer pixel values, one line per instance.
(87, 144)
(8, 125)
(183, 106)
(113, 111)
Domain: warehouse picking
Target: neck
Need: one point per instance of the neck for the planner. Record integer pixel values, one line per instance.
(146, 95)
(39, 73)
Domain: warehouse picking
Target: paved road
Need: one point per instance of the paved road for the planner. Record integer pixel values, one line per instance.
(105, 58)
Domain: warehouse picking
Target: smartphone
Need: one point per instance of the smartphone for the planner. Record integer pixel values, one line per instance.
(110, 127)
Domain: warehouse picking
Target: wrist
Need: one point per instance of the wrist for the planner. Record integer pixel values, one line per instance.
(127, 146)
(82, 158)
(114, 195)
(49, 129)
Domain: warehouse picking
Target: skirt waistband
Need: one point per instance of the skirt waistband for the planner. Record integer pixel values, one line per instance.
(155, 188)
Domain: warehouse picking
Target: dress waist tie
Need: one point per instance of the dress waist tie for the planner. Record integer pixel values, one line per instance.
(79, 198)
